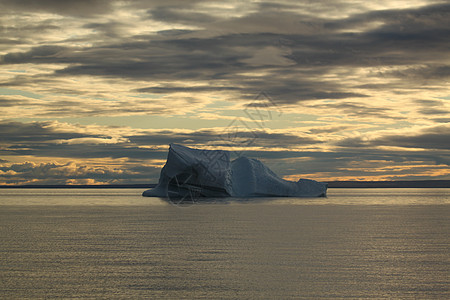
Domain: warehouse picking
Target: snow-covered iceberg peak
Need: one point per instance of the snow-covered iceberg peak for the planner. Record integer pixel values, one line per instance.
(209, 173)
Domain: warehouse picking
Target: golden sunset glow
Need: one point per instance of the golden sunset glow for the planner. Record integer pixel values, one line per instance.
(93, 92)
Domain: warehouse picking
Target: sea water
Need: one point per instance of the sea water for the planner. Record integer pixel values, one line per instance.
(113, 243)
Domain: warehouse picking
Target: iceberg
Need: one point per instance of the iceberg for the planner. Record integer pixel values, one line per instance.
(210, 173)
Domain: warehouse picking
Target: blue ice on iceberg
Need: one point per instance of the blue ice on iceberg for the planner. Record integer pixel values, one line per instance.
(210, 173)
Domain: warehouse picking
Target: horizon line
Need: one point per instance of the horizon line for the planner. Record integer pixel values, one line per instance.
(432, 183)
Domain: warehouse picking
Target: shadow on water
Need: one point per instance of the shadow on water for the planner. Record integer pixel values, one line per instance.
(187, 201)
(343, 196)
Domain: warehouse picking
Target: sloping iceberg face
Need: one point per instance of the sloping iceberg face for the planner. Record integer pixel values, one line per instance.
(209, 173)
(251, 178)
(206, 173)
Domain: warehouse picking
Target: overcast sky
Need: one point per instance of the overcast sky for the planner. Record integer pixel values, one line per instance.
(93, 91)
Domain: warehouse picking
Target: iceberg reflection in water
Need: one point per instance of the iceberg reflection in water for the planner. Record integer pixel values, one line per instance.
(194, 173)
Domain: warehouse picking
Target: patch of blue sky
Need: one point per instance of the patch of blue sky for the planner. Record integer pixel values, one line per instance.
(5, 91)
(147, 96)
(17, 71)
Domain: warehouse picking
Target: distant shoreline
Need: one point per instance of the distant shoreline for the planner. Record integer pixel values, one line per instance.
(331, 184)
(391, 184)
(79, 186)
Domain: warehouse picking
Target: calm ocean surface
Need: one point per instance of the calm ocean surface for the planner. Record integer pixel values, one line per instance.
(113, 243)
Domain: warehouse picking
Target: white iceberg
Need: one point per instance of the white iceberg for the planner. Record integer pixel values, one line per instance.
(210, 173)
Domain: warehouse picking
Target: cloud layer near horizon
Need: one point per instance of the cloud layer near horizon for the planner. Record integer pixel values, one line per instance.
(325, 90)
(100, 154)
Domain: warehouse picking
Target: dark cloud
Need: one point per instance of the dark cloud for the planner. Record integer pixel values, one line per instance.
(11, 102)
(43, 139)
(176, 15)
(434, 111)
(313, 47)
(110, 29)
(56, 173)
(6, 41)
(362, 110)
(433, 108)
(441, 120)
(229, 137)
(17, 132)
(357, 163)
(80, 151)
(329, 129)
(174, 32)
(41, 54)
(192, 89)
(429, 103)
(145, 4)
(16, 32)
(423, 76)
(434, 138)
(79, 8)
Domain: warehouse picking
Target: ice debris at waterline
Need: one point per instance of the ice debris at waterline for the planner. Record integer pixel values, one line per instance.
(210, 173)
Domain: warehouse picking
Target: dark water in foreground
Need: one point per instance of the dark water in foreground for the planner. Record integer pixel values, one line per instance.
(357, 243)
